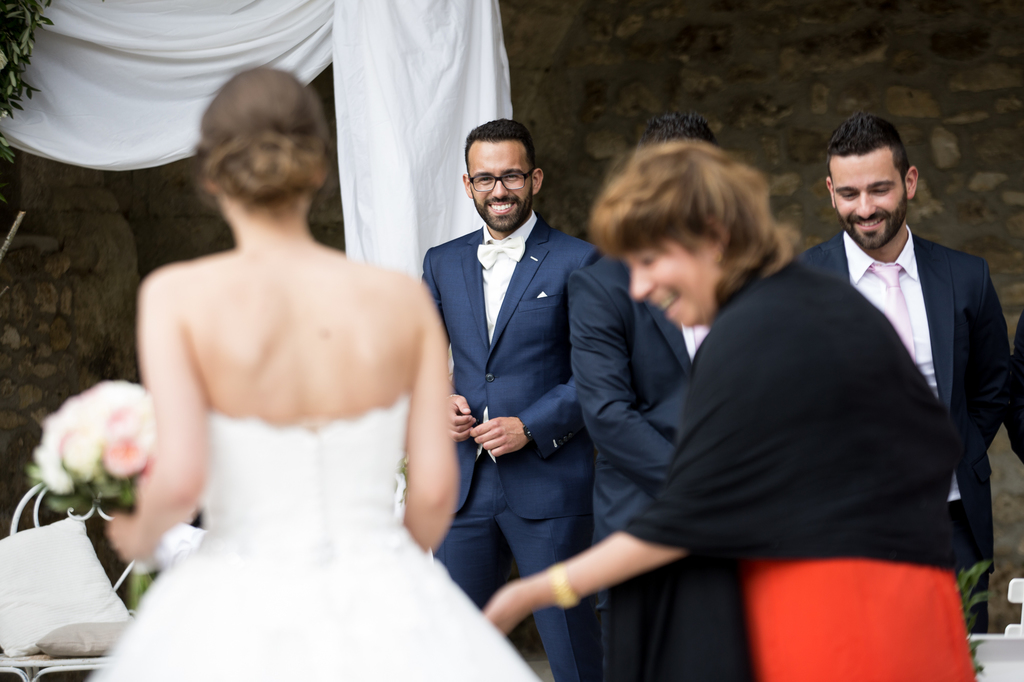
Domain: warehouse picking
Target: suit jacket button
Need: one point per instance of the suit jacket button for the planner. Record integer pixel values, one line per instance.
(489, 377)
(568, 436)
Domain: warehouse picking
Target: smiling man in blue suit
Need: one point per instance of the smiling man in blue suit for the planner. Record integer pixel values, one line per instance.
(941, 303)
(525, 459)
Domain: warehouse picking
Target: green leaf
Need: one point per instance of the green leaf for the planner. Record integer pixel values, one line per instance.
(18, 21)
(966, 580)
(81, 504)
(138, 583)
(34, 474)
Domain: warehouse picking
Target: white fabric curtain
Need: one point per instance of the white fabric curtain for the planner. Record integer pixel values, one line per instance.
(411, 79)
(123, 84)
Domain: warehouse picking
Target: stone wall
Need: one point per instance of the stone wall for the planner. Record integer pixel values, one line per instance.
(774, 77)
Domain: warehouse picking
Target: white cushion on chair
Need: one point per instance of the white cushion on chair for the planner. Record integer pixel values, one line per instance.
(50, 577)
(82, 640)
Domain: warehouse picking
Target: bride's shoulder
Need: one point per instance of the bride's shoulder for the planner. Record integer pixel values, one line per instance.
(176, 280)
(400, 289)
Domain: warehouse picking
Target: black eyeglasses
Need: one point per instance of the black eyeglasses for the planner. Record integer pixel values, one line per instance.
(485, 183)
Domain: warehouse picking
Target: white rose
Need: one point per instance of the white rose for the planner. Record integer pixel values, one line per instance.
(52, 471)
(47, 455)
(83, 453)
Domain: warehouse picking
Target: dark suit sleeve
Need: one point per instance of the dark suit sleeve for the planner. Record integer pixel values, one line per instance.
(556, 416)
(1015, 417)
(601, 366)
(428, 279)
(988, 364)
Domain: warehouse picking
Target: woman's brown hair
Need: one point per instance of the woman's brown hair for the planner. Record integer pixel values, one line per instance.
(693, 193)
(264, 140)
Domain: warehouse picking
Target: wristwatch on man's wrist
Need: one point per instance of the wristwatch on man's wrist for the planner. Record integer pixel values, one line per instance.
(526, 431)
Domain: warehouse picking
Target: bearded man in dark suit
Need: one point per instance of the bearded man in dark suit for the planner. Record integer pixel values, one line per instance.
(941, 302)
(525, 458)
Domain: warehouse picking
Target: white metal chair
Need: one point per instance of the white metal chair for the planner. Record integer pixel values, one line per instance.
(32, 668)
(1015, 595)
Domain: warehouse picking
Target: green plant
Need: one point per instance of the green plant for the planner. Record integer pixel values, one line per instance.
(138, 583)
(967, 579)
(18, 23)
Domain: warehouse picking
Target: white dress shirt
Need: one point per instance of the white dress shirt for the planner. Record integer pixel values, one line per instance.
(873, 288)
(690, 340)
(497, 278)
(496, 281)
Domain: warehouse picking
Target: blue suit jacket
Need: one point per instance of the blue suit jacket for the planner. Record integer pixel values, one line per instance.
(971, 354)
(631, 369)
(524, 372)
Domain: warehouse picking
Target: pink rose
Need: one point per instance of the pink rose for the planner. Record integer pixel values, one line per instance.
(124, 458)
(124, 422)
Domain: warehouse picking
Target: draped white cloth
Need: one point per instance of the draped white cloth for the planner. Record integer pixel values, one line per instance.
(411, 79)
(123, 84)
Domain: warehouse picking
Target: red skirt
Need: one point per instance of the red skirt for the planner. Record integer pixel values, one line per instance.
(854, 620)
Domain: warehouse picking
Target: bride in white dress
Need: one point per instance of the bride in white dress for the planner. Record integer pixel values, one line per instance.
(288, 383)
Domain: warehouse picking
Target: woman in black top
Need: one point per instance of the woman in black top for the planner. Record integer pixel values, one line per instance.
(808, 491)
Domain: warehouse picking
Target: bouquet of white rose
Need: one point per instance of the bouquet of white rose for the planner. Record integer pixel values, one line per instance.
(95, 446)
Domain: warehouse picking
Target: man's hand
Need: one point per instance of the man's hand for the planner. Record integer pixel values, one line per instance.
(460, 421)
(500, 435)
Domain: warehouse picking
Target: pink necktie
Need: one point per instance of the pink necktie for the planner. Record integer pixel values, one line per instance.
(699, 332)
(895, 304)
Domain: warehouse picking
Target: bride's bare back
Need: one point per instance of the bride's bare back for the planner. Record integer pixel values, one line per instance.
(299, 334)
(293, 334)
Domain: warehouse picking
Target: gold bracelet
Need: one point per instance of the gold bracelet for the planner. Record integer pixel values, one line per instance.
(565, 596)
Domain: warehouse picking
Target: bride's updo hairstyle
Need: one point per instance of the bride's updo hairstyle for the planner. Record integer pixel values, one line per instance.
(692, 193)
(264, 140)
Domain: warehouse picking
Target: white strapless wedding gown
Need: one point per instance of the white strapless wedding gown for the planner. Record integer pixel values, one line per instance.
(306, 574)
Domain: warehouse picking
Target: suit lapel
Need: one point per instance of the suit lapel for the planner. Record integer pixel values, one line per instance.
(673, 335)
(937, 287)
(526, 268)
(475, 287)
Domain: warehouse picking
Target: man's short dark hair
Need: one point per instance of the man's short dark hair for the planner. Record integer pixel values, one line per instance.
(677, 126)
(864, 133)
(502, 130)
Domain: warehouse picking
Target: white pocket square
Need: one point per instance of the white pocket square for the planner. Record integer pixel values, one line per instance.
(542, 295)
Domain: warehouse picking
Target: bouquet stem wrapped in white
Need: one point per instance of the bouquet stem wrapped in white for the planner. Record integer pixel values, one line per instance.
(95, 446)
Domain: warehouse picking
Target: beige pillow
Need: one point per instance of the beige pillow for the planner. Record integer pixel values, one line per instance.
(50, 577)
(81, 639)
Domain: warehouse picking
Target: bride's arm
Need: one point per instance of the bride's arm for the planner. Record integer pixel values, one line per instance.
(170, 490)
(614, 560)
(433, 471)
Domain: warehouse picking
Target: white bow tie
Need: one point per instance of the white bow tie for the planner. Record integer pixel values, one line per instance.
(513, 247)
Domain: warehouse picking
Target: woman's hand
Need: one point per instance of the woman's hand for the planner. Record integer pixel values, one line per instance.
(514, 602)
(127, 537)
(615, 559)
